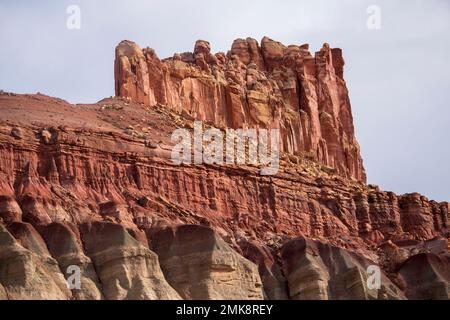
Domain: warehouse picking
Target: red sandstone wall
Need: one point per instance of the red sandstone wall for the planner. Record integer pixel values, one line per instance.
(270, 86)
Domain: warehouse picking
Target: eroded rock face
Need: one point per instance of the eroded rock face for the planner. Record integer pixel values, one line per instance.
(126, 269)
(416, 215)
(200, 265)
(29, 273)
(267, 86)
(132, 66)
(107, 198)
(427, 276)
(274, 283)
(319, 271)
(3, 294)
(65, 246)
(9, 209)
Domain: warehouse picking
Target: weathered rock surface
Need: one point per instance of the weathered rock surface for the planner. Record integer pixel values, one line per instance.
(201, 265)
(65, 246)
(9, 209)
(272, 277)
(126, 269)
(3, 294)
(94, 186)
(27, 274)
(71, 176)
(316, 270)
(267, 86)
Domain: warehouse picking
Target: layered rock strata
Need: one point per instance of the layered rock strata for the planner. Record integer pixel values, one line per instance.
(253, 86)
(93, 188)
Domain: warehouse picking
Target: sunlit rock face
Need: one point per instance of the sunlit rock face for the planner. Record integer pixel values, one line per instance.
(265, 86)
(91, 191)
(29, 273)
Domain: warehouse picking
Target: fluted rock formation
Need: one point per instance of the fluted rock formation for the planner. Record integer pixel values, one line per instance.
(29, 273)
(319, 271)
(267, 86)
(126, 269)
(200, 265)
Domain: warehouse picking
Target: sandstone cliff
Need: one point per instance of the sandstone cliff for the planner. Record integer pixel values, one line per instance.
(267, 86)
(94, 186)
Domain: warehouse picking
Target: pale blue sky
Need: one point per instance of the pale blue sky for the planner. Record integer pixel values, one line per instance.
(398, 76)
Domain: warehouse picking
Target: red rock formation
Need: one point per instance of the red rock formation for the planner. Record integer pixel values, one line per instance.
(319, 271)
(272, 86)
(94, 186)
(427, 276)
(81, 174)
(201, 266)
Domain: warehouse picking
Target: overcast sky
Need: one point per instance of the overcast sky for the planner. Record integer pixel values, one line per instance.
(398, 76)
